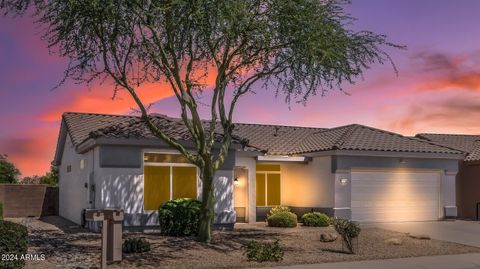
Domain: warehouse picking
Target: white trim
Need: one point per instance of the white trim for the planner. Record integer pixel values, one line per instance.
(421, 155)
(277, 158)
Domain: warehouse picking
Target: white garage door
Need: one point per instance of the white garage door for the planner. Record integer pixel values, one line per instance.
(395, 196)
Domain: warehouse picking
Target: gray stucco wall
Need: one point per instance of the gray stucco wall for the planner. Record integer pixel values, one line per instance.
(120, 184)
(74, 185)
(346, 162)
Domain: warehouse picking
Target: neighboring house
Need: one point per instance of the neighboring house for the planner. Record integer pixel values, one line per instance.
(468, 177)
(353, 171)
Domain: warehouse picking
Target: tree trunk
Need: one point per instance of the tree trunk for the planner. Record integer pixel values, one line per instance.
(206, 211)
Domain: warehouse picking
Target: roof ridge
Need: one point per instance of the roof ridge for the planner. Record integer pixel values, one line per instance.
(412, 138)
(277, 125)
(347, 132)
(99, 114)
(419, 134)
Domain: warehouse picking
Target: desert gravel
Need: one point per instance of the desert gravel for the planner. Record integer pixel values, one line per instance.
(68, 246)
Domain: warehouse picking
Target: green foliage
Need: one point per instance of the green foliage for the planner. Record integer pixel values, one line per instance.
(282, 219)
(135, 245)
(1, 211)
(179, 217)
(51, 177)
(13, 241)
(8, 172)
(263, 252)
(348, 230)
(278, 209)
(315, 219)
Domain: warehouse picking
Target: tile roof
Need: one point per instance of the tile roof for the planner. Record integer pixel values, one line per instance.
(272, 139)
(83, 126)
(360, 137)
(465, 143)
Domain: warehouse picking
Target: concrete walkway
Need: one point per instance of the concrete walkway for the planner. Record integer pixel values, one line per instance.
(462, 232)
(461, 261)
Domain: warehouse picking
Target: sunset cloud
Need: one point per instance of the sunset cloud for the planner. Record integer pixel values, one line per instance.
(449, 72)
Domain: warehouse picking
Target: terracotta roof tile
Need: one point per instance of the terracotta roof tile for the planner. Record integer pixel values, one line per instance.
(272, 139)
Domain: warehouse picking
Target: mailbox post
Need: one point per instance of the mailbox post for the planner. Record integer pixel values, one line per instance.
(114, 219)
(112, 223)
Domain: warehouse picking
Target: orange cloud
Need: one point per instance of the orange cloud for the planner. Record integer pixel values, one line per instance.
(448, 72)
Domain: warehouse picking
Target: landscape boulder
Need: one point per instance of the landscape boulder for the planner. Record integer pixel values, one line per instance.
(328, 237)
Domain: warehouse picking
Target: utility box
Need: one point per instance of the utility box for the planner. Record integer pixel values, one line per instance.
(112, 231)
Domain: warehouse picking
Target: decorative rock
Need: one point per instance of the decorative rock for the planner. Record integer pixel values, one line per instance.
(393, 241)
(329, 237)
(419, 236)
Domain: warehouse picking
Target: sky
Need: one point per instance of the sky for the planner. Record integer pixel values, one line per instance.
(437, 88)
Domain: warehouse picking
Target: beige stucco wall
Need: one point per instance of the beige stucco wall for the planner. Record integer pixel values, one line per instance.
(308, 185)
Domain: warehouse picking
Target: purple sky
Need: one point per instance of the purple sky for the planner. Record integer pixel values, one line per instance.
(437, 88)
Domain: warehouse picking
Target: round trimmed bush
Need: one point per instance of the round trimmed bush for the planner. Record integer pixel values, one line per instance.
(282, 219)
(13, 243)
(179, 217)
(277, 209)
(315, 219)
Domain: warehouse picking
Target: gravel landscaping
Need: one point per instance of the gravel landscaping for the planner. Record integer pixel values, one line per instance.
(65, 245)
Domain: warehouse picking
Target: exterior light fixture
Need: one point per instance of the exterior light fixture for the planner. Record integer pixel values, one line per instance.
(235, 181)
(402, 160)
(343, 181)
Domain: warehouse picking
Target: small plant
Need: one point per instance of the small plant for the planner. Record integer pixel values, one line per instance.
(1, 211)
(179, 217)
(135, 245)
(315, 219)
(278, 209)
(348, 230)
(13, 242)
(264, 252)
(282, 219)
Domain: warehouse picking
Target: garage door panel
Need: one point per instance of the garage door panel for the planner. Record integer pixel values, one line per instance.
(394, 196)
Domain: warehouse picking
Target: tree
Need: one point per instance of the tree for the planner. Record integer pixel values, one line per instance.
(8, 172)
(297, 48)
(51, 177)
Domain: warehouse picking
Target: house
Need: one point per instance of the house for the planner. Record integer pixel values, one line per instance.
(353, 171)
(468, 176)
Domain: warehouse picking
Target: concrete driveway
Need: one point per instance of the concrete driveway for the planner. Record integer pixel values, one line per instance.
(462, 232)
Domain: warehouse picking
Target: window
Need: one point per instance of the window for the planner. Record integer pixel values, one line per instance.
(82, 164)
(69, 168)
(268, 182)
(167, 177)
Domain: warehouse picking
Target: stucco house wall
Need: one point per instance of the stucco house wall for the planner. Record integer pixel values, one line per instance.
(113, 178)
(73, 185)
(308, 184)
(468, 190)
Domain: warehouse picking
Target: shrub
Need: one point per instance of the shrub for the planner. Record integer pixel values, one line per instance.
(135, 245)
(348, 230)
(315, 219)
(262, 252)
(13, 243)
(282, 219)
(278, 209)
(179, 217)
(1, 211)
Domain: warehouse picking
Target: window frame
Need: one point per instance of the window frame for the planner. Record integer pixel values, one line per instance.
(170, 165)
(265, 173)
